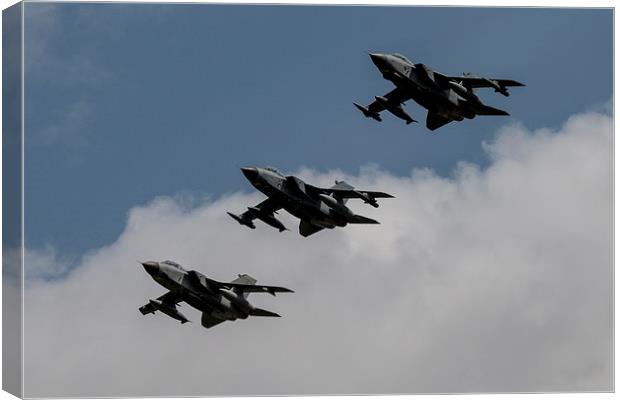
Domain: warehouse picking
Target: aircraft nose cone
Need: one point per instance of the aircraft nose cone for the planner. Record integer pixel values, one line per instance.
(376, 57)
(250, 173)
(150, 266)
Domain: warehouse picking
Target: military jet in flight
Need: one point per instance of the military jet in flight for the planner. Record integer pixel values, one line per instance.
(447, 98)
(218, 301)
(317, 208)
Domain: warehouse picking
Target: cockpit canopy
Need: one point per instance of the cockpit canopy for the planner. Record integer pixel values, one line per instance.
(275, 171)
(172, 263)
(400, 56)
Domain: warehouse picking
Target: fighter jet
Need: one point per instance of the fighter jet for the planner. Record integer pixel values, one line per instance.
(447, 98)
(317, 208)
(218, 301)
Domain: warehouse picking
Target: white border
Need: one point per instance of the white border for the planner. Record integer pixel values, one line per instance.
(478, 3)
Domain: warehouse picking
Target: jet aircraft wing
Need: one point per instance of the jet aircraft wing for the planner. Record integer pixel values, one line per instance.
(168, 298)
(396, 96)
(367, 196)
(250, 288)
(471, 81)
(353, 194)
(263, 211)
(478, 82)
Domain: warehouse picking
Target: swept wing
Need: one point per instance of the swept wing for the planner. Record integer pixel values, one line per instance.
(249, 288)
(169, 299)
(396, 97)
(471, 81)
(264, 211)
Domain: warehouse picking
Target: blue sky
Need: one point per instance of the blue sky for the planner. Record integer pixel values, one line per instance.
(128, 102)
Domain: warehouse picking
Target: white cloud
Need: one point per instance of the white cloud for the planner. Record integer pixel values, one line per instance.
(491, 280)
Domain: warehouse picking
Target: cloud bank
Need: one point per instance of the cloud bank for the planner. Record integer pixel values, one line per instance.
(489, 280)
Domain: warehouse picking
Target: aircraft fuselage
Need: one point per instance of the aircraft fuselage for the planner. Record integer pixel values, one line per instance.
(292, 194)
(419, 82)
(193, 288)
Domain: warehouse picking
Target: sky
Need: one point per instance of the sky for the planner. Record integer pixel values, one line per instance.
(128, 102)
(492, 266)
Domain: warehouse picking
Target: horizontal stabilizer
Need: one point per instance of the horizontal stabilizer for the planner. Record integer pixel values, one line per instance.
(486, 110)
(306, 228)
(259, 312)
(435, 121)
(358, 219)
(208, 321)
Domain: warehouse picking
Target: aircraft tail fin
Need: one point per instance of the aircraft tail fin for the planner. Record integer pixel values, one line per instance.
(259, 312)
(342, 185)
(245, 279)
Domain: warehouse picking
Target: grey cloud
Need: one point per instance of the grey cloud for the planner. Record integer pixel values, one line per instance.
(490, 280)
(46, 264)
